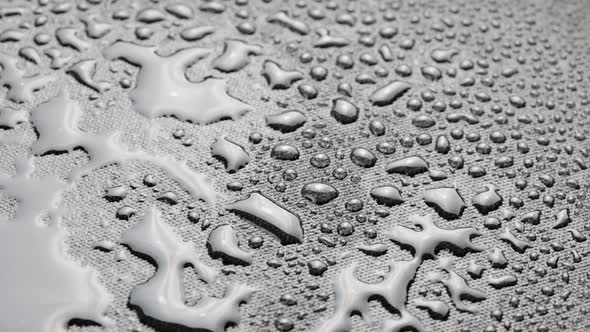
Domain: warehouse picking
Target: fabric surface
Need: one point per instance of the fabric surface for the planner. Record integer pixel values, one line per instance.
(510, 79)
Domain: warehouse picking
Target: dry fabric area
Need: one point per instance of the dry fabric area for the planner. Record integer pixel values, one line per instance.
(306, 165)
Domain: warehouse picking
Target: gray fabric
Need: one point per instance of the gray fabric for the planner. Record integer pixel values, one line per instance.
(551, 39)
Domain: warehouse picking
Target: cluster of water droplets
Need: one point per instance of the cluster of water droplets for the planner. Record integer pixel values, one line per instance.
(420, 166)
